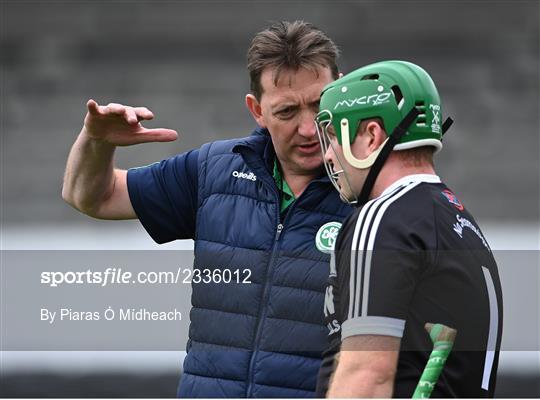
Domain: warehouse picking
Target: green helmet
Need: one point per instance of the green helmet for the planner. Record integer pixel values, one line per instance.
(387, 90)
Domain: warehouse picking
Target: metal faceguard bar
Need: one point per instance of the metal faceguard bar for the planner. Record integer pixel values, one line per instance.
(326, 143)
(347, 152)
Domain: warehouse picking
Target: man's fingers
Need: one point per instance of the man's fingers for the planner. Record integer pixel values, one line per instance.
(143, 113)
(156, 135)
(131, 116)
(115, 108)
(93, 107)
(136, 114)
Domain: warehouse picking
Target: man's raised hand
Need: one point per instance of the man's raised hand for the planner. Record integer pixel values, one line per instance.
(120, 125)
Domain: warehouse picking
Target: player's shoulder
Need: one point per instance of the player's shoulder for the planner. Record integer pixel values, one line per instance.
(404, 212)
(409, 199)
(448, 207)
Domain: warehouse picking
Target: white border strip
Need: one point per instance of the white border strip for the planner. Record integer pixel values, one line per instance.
(493, 329)
(66, 362)
(84, 362)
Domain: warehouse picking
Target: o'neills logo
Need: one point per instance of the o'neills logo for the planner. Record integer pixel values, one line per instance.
(251, 176)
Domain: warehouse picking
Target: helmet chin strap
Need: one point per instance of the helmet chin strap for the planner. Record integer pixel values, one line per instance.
(382, 153)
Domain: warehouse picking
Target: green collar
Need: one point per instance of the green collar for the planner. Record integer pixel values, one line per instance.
(287, 195)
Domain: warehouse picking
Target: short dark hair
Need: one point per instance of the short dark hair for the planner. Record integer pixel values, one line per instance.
(417, 156)
(289, 45)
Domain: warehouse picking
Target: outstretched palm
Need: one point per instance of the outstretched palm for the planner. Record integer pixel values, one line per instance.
(120, 125)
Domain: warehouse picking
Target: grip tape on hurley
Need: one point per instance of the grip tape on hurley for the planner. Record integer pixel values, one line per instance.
(443, 339)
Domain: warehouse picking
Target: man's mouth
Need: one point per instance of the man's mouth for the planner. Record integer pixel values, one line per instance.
(309, 148)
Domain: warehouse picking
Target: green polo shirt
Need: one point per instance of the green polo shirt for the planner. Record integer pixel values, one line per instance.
(287, 195)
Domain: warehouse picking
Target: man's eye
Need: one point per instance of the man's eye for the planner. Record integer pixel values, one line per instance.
(285, 112)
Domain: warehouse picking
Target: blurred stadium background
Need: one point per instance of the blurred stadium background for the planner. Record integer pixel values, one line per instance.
(186, 62)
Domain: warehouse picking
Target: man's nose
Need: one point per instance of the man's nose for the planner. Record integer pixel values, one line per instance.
(328, 155)
(306, 126)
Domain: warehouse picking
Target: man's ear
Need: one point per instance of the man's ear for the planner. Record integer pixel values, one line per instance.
(255, 109)
(376, 135)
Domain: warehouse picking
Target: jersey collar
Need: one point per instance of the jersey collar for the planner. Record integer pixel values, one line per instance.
(287, 195)
(428, 178)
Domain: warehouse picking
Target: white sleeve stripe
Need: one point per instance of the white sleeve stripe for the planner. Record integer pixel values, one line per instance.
(354, 254)
(360, 247)
(372, 326)
(357, 251)
(352, 271)
(371, 242)
(360, 222)
(366, 261)
(355, 277)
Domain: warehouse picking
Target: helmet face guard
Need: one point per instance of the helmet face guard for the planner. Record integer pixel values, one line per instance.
(323, 121)
(391, 92)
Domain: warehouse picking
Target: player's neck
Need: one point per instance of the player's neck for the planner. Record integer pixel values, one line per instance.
(394, 170)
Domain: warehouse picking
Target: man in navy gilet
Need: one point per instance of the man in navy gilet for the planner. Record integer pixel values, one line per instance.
(259, 205)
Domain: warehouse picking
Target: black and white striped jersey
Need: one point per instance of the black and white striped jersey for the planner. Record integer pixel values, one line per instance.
(411, 256)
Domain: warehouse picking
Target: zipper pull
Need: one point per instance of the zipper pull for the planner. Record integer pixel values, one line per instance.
(278, 232)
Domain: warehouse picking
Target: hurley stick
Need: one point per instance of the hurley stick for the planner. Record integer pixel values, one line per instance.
(443, 339)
